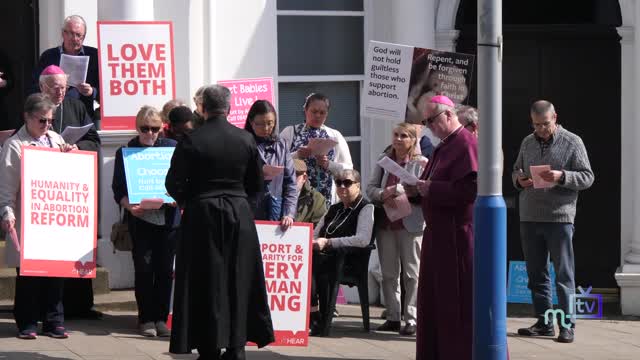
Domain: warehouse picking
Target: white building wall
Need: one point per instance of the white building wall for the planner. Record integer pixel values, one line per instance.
(53, 12)
(216, 40)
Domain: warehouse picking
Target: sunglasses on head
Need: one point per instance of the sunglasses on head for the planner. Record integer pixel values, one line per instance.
(346, 183)
(145, 129)
(45, 121)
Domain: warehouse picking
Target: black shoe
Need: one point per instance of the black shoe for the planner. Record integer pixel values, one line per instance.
(234, 354)
(389, 326)
(319, 330)
(566, 335)
(207, 355)
(408, 330)
(538, 329)
(314, 323)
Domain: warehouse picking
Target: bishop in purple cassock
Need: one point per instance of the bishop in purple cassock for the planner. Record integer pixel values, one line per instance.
(448, 188)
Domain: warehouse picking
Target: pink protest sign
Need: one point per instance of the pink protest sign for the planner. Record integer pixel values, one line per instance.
(59, 202)
(244, 93)
(286, 258)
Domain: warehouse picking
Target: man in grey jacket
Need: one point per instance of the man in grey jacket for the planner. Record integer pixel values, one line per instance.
(547, 214)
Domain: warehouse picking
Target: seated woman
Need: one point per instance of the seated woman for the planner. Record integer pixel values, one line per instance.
(149, 228)
(35, 297)
(280, 196)
(311, 204)
(348, 224)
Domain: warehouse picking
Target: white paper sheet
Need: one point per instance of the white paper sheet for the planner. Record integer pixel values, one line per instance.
(271, 172)
(398, 207)
(321, 146)
(72, 134)
(151, 204)
(538, 182)
(397, 170)
(76, 68)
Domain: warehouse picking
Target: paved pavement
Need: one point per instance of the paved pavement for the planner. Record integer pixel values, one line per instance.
(115, 338)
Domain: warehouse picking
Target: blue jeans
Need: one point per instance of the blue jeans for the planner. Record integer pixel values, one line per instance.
(540, 241)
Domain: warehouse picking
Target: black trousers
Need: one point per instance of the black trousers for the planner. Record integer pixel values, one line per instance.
(153, 263)
(78, 297)
(323, 278)
(38, 298)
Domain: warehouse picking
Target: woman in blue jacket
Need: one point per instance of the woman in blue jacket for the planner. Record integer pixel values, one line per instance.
(280, 197)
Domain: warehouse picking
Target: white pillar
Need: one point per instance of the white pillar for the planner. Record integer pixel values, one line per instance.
(126, 10)
(446, 33)
(628, 275)
(628, 141)
(633, 257)
(120, 264)
(407, 22)
(414, 23)
(53, 12)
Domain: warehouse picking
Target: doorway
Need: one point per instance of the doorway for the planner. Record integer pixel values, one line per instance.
(19, 45)
(568, 54)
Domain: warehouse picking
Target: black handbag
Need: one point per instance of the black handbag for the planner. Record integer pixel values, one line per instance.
(120, 236)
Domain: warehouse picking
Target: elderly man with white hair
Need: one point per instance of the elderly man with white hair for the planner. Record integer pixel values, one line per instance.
(448, 189)
(74, 30)
(468, 117)
(78, 293)
(69, 111)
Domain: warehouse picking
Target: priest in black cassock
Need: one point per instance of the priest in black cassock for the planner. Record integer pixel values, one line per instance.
(220, 294)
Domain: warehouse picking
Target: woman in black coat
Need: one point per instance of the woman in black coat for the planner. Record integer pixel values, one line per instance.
(220, 295)
(152, 248)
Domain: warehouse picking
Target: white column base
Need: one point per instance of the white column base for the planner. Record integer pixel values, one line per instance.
(120, 264)
(628, 278)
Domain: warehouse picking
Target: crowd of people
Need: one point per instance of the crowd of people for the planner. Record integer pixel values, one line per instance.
(426, 252)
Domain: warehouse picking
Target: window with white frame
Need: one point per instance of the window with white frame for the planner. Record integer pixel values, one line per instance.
(321, 49)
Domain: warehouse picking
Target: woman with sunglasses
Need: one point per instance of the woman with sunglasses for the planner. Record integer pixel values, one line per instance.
(35, 295)
(347, 224)
(399, 240)
(320, 168)
(149, 229)
(280, 197)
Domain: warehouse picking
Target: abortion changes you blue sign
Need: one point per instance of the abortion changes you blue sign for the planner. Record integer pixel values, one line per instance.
(517, 284)
(146, 169)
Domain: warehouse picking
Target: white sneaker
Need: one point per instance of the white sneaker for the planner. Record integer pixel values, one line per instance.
(148, 329)
(162, 329)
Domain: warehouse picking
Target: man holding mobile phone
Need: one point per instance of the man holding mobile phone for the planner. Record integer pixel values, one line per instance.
(547, 214)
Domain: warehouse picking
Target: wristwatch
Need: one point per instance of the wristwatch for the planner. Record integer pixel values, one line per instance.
(563, 178)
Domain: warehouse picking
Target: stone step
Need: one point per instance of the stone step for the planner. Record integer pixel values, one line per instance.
(8, 280)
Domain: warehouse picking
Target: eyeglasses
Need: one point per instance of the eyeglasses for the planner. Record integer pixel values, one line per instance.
(346, 183)
(45, 121)
(72, 34)
(430, 120)
(56, 88)
(265, 125)
(543, 125)
(145, 129)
